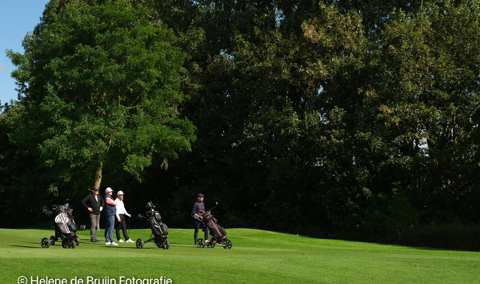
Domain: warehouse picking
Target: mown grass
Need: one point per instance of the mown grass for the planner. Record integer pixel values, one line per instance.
(256, 257)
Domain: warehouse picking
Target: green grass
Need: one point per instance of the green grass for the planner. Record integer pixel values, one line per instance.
(256, 257)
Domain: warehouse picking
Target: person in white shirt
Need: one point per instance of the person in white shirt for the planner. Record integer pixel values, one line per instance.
(121, 213)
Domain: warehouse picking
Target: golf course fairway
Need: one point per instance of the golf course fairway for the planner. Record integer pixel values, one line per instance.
(257, 256)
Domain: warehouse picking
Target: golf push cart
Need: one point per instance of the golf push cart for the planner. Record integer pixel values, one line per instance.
(65, 227)
(218, 235)
(159, 229)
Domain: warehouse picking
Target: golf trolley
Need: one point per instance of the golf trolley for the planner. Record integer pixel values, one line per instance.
(218, 235)
(159, 229)
(65, 227)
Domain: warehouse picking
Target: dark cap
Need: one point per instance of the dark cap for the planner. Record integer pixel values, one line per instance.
(95, 188)
(200, 195)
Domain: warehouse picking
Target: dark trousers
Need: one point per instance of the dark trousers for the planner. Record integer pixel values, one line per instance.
(199, 224)
(95, 223)
(123, 225)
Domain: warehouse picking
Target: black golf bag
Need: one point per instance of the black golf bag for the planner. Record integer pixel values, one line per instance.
(159, 229)
(65, 227)
(217, 231)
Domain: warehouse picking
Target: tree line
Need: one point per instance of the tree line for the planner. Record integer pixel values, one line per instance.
(346, 119)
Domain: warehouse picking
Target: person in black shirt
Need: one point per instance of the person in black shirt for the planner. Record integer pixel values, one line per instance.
(94, 205)
(197, 207)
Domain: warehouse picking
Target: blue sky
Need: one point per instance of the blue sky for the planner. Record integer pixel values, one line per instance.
(17, 17)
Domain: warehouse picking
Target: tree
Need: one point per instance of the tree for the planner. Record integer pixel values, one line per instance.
(427, 88)
(100, 85)
(20, 177)
(324, 116)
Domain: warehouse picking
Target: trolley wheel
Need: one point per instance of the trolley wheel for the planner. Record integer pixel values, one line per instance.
(211, 244)
(77, 240)
(73, 244)
(166, 244)
(201, 243)
(45, 243)
(65, 243)
(52, 240)
(227, 244)
(140, 243)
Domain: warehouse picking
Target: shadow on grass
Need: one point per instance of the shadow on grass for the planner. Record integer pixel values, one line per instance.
(114, 247)
(424, 248)
(438, 249)
(37, 246)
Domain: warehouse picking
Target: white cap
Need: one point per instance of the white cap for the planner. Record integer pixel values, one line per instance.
(120, 193)
(108, 190)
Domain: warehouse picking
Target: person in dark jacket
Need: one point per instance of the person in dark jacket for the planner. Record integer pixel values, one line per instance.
(197, 207)
(94, 205)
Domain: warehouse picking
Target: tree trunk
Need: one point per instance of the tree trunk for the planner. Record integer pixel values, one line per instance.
(98, 175)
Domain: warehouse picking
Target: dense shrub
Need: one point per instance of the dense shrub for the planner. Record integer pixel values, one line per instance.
(444, 236)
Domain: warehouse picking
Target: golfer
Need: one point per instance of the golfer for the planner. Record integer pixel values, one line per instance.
(121, 213)
(94, 205)
(110, 212)
(197, 207)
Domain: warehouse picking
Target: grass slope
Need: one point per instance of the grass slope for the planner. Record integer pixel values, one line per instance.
(256, 257)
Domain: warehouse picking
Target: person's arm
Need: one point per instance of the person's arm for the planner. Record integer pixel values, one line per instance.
(125, 209)
(195, 210)
(101, 203)
(111, 202)
(117, 212)
(84, 202)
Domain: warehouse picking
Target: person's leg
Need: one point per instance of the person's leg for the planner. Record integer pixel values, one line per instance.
(110, 232)
(118, 225)
(197, 226)
(93, 227)
(97, 226)
(124, 227)
(107, 226)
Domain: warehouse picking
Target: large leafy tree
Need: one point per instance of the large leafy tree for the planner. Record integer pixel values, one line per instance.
(350, 118)
(100, 83)
(427, 89)
(20, 178)
(329, 122)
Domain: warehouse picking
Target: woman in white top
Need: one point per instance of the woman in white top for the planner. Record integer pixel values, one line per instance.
(121, 212)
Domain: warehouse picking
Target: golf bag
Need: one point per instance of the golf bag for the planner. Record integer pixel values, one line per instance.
(159, 229)
(65, 227)
(64, 221)
(217, 231)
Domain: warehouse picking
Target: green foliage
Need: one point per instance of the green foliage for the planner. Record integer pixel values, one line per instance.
(386, 218)
(99, 79)
(429, 99)
(20, 178)
(453, 235)
(348, 119)
(301, 114)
